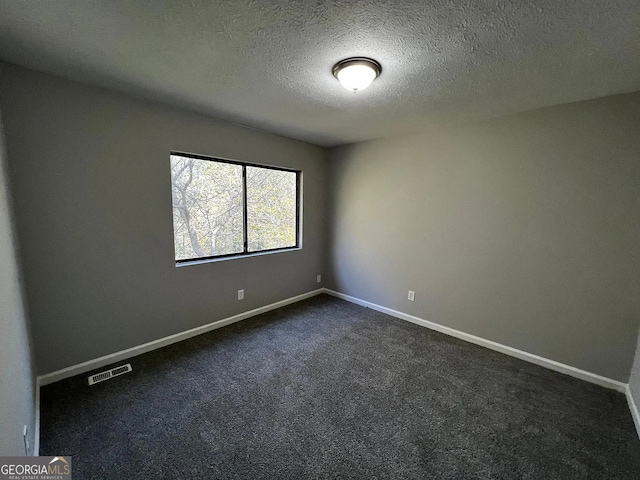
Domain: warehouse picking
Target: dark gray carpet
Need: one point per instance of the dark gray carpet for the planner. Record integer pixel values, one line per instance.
(327, 389)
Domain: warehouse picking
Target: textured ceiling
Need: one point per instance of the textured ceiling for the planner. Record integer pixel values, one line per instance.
(267, 64)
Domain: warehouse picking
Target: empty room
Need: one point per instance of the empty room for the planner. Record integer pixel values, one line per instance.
(320, 239)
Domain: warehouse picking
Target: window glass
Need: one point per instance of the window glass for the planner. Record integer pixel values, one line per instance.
(226, 208)
(207, 208)
(271, 208)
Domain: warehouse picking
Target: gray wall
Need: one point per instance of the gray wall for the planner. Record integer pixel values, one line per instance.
(523, 230)
(16, 377)
(90, 174)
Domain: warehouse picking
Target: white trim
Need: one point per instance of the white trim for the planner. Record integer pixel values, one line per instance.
(634, 409)
(202, 261)
(498, 347)
(161, 342)
(36, 428)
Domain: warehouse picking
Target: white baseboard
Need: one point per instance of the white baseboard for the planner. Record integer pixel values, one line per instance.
(498, 347)
(147, 347)
(36, 428)
(155, 344)
(634, 409)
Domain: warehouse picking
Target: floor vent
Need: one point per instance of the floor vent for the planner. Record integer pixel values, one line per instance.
(114, 372)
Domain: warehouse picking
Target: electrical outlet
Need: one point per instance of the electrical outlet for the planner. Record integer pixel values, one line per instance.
(241, 294)
(412, 296)
(318, 278)
(25, 437)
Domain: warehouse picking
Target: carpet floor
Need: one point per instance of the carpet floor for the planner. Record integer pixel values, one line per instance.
(327, 389)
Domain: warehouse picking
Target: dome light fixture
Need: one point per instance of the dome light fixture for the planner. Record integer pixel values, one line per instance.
(356, 73)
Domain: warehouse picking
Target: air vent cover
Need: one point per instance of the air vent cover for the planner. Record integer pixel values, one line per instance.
(114, 372)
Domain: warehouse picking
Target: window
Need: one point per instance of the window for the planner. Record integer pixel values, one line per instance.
(223, 208)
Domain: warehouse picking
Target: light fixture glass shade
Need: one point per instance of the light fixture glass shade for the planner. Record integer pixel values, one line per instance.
(356, 74)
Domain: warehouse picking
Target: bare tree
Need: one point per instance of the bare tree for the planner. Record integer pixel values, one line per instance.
(208, 207)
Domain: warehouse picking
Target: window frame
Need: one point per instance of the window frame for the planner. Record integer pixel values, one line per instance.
(245, 250)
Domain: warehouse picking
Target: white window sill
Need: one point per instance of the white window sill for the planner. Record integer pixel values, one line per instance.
(235, 257)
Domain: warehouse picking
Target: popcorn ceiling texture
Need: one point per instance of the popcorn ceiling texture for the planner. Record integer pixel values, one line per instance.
(267, 63)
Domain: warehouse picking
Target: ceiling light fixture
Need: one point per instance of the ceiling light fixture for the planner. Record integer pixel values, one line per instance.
(356, 73)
